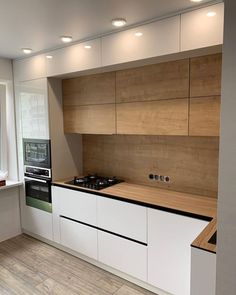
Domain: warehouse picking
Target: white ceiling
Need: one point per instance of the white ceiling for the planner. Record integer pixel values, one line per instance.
(39, 23)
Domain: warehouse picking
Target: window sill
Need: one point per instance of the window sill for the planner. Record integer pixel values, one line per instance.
(10, 184)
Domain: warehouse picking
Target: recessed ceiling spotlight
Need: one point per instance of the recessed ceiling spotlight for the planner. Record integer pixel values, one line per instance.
(27, 50)
(66, 39)
(196, 1)
(118, 22)
(211, 13)
(49, 56)
(138, 34)
(87, 46)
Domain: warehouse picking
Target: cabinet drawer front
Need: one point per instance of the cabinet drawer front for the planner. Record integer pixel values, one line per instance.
(169, 250)
(122, 218)
(79, 237)
(76, 205)
(124, 255)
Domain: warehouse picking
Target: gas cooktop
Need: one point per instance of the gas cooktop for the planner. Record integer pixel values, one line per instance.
(94, 181)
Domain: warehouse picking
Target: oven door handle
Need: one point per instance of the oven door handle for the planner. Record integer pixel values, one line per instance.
(35, 179)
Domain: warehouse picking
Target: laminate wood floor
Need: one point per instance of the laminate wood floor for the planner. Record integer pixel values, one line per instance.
(30, 267)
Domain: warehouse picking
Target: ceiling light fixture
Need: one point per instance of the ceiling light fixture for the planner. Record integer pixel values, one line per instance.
(211, 13)
(49, 56)
(196, 1)
(87, 46)
(27, 50)
(118, 22)
(138, 34)
(66, 39)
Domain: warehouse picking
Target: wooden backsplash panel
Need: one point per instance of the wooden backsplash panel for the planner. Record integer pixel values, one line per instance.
(191, 162)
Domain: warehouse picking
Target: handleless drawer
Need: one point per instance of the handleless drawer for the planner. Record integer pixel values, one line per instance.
(77, 205)
(122, 218)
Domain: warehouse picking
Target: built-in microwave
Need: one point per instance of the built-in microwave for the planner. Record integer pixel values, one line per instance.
(37, 153)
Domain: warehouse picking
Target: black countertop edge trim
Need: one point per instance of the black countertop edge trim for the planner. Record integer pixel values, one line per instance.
(206, 250)
(104, 230)
(170, 210)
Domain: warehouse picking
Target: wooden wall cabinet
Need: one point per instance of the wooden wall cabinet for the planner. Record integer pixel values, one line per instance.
(159, 38)
(199, 30)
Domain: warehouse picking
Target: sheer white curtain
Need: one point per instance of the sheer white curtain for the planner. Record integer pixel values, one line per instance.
(3, 129)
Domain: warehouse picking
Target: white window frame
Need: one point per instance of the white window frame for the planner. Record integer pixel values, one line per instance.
(3, 128)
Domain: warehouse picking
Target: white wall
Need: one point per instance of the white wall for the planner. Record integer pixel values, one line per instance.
(9, 198)
(226, 244)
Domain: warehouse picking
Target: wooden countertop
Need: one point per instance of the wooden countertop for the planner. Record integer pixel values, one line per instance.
(172, 201)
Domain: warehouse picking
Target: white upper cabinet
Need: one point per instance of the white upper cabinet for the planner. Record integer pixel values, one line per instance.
(74, 58)
(158, 38)
(202, 27)
(30, 68)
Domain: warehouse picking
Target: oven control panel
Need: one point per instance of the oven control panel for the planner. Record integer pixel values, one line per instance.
(36, 171)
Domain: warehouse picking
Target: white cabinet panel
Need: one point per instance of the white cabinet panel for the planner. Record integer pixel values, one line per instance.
(203, 272)
(30, 68)
(37, 222)
(122, 218)
(79, 237)
(33, 103)
(159, 38)
(169, 251)
(74, 58)
(199, 30)
(124, 255)
(76, 205)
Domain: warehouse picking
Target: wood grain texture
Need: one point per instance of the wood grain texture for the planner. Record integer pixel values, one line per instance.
(190, 203)
(90, 119)
(92, 89)
(205, 75)
(190, 162)
(153, 82)
(58, 273)
(204, 116)
(164, 117)
(202, 240)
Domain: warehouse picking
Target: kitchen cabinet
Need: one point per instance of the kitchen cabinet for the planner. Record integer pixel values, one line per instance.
(30, 68)
(163, 117)
(158, 38)
(199, 30)
(37, 222)
(203, 272)
(90, 119)
(74, 58)
(114, 216)
(32, 100)
(169, 251)
(123, 255)
(79, 237)
(154, 82)
(76, 205)
(204, 116)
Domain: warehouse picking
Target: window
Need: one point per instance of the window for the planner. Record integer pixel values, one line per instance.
(3, 135)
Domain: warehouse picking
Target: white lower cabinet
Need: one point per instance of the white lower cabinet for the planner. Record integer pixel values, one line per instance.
(123, 255)
(203, 272)
(79, 237)
(37, 222)
(169, 251)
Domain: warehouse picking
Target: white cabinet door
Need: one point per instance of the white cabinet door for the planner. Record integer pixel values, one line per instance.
(123, 255)
(158, 38)
(37, 222)
(199, 30)
(169, 250)
(122, 218)
(76, 205)
(203, 272)
(79, 237)
(33, 103)
(30, 68)
(74, 58)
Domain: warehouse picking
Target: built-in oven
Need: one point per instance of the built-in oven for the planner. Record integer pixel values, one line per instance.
(37, 153)
(38, 193)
